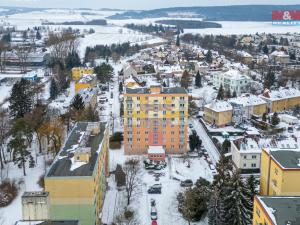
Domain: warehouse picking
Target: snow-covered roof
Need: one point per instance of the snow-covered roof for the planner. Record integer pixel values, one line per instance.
(281, 93)
(248, 100)
(247, 145)
(279, 54)
(244, 54)
(219, 106)
(156, 150)
(87, 78)
(234, 74)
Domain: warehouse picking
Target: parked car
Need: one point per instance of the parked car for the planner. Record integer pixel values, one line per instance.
(190, 125)
(150, 167)
(155, 189)
(212, 167)
(156, 179)
(186, 183)
(153, 213)
(158, 167)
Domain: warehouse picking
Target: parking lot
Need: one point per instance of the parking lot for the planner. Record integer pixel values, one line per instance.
(161, 186)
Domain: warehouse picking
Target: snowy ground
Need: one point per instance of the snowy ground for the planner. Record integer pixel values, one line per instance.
(166, 203)
(213, 152)
(13, 212)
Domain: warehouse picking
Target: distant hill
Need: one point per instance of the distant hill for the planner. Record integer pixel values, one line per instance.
(211, 13)
(189, 24)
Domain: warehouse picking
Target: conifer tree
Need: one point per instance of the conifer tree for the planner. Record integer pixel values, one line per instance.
(53, 89)
(234, 95)
(208, 56)
(77, 103)
(237, 202)
(38, 35)
(220, 95)
(198, 80)
(275, 119)
(265, 49)
(178, 40)
(21, 99)
(120, 87)
(252, 187)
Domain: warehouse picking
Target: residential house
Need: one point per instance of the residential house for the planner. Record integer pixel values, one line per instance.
(280, 57)
(218, 113)
(283, 210)
(85, 82)
(246, 106)
(245, 57)
(232, 80)
(281, 99)
(79, 72)
(76, 180)
(155, 116)
(246, 155)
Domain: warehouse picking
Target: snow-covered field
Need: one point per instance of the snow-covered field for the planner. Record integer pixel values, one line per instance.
(13, 212)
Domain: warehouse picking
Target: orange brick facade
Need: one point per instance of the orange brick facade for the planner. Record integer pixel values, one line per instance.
(155, 117)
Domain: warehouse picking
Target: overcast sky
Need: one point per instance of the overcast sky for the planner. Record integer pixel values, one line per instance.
(135, 4)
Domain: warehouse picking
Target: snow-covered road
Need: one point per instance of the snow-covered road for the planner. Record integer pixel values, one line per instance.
(206, 141)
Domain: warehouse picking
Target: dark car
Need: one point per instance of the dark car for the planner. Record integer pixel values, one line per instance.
(154, 190)
(186, 183)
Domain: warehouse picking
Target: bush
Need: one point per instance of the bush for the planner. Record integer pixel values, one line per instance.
(8, 192)
(41, 181)
(114, 145)
(118, 136)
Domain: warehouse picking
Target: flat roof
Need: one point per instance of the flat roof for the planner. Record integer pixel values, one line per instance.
(282, 209)
(156, 150)
(289, 159)
(63, 163)
(173, 90)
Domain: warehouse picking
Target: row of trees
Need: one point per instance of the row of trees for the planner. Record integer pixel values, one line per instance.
(228, 200)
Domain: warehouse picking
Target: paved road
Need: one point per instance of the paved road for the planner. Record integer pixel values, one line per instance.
(206, 141)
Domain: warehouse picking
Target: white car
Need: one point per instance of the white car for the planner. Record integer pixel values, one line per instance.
(153, 213)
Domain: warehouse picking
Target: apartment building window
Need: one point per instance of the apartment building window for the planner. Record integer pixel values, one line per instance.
(275, 183)
(253, 156)
(172, 146)
(164, 119)
(181, 140)
(146, 139)
(155, 101)
(173, 98)
(245, 157)
(173, 112)
(181, 105)
(173, 119)
(172, 139)
(146, 132)
(138, 98)
(276, 171)
(138, 132)
(244, 165)
(253, 165)
(155, 115)
(173, 105)
(172, 132)
(257, 212)
(181, 98)
(146, 98)
(164, 112)
(164, 132)
(129, 132)
(129, 139)
(164, 140)
(164, 105)
(138, 139)
(164, 98)
(164, 125)
(138, 112)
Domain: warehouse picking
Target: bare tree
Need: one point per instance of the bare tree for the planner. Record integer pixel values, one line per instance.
(4, 130)
(61, 44)
(22, 52)
(131, 170)
(4, 46)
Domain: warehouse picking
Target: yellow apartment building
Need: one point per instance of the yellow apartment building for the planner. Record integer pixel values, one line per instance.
(281, 99)
(76, 181)
(280, 172)
(283, 210)
(78, 72)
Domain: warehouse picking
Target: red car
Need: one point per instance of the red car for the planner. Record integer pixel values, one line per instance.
(154, 222)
